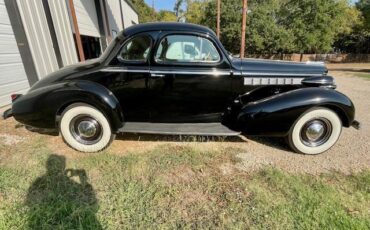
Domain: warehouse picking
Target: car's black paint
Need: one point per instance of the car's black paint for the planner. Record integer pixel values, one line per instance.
(188, 92)
(181, 93)
(279, 67)
(7, 114)
(323, 81)
(275, 115)
(184, 27)
(41, 107)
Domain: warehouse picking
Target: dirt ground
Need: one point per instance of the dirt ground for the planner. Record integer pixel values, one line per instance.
(350, 154)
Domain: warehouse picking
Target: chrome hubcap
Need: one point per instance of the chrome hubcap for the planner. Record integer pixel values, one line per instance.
(86, 130)
(316, 132)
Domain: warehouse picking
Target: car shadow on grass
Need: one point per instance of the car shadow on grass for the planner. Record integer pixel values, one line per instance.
(274, 142)
(48, 132)
(57, 201)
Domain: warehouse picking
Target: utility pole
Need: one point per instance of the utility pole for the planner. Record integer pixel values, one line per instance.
(153, 9)
(244, 22)
(218, 18)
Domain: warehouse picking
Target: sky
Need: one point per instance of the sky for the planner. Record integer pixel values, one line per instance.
(169, 4)
(162, 4)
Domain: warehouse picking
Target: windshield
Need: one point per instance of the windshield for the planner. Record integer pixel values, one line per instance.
(111, 46)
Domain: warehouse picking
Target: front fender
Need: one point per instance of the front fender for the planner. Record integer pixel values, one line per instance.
(275, 115)
(40, 107)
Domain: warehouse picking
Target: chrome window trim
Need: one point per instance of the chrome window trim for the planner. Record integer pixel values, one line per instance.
(207, 37)
(250, 75)
(123, 70)
(140, 61)
(215, 73)
(278, 74)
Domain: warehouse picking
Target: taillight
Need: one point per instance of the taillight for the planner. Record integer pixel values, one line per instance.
(15, 96)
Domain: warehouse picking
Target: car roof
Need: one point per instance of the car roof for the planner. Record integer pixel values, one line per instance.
(167, 26)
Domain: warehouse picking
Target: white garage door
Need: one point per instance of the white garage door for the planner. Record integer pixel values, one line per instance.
(130, 17)
(86, 17)
(114, 16)
(63, 29)
(38, 36)
(13, 77)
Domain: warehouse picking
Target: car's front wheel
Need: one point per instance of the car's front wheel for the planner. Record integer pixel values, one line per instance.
(315, 132)
(85, 128)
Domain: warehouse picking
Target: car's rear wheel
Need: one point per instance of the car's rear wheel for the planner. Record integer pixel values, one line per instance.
(315, 132)
(85, 128)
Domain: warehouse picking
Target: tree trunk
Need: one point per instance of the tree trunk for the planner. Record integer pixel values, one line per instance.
(218, 18)
(244, 22)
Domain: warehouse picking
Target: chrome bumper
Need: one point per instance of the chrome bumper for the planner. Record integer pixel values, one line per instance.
(7, 114)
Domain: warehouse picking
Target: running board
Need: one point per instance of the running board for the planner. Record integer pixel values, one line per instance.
(198, 129)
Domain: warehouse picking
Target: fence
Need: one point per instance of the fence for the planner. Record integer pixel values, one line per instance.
(331, 58)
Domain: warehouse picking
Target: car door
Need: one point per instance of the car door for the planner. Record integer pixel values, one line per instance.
(189, 79)
(127, 77)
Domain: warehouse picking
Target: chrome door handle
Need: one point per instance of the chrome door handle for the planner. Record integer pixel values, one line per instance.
(157, 75)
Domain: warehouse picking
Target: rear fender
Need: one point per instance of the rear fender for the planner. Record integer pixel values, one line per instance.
(41, 107)
(275, 115)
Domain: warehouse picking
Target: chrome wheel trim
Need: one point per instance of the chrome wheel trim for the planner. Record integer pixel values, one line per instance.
(316, 132)
(86, 130)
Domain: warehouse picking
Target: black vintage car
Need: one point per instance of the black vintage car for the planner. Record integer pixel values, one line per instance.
(175, 78)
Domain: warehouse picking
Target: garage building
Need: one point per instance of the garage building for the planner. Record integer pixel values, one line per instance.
(40, 36)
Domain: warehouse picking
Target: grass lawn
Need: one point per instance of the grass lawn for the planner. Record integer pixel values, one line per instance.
(171, 186)
(363, 75)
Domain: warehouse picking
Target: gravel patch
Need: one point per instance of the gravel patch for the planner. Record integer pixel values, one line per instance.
(9, 140)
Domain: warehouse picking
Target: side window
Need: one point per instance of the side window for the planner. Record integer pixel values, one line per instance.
(136, 50)
(186, 48)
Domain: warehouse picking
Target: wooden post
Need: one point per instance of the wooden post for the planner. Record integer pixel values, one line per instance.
(244, 22)
(218, 18)
(77, 31)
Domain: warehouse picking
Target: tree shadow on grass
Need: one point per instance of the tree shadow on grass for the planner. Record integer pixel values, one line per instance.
(57, 201)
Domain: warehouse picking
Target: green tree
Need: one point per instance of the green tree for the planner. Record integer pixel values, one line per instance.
(195, 11)
(268, 30)
(359, 40)
(364, 7)
(230, 22)
(317, 23)
(178, 8)
(277, 26)
(146, 13)
(167, 16)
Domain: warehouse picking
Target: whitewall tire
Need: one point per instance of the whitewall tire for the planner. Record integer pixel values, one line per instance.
(315, 132)
(85, 128)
